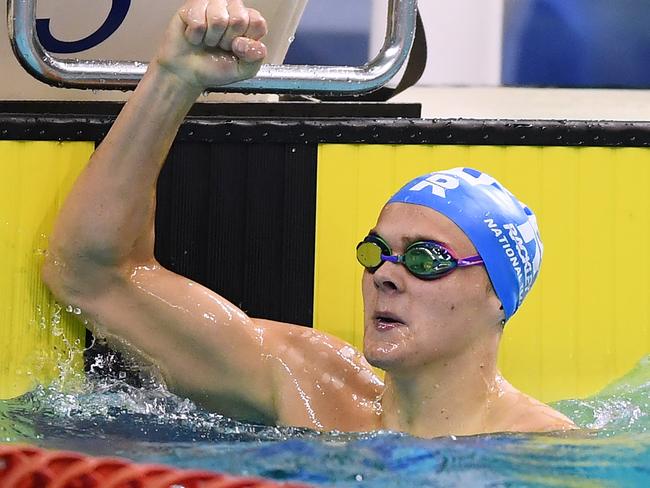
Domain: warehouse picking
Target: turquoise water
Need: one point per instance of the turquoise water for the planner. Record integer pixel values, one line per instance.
(148, 424)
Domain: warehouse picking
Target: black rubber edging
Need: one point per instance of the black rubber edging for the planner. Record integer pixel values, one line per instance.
(71, 127)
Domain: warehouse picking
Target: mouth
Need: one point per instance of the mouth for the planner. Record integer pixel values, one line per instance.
(387, 321)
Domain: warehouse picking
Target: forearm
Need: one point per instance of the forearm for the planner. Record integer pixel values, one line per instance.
(106, 225)
(108, 216)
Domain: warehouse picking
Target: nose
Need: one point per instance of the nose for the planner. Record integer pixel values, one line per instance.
(389, 278)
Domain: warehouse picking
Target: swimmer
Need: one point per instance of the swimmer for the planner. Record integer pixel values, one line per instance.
(449, 261)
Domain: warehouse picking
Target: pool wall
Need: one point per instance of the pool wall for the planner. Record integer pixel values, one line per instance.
(264, 203)
(37, 337)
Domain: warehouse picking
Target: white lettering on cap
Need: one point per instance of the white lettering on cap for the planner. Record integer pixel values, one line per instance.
(529, 231)
(482, 179)
(438, 183)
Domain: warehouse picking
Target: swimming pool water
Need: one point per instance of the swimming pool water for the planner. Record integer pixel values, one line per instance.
(148, 424)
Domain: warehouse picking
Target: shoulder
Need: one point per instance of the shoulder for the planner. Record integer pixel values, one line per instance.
(541, 418)
(518, 412)
(323, 375)
(317, 351)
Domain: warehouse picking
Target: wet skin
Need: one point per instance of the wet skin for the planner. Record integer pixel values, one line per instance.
(410, 322)
(437, 340)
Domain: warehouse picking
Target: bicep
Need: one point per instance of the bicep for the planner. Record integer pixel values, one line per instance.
(205, 347)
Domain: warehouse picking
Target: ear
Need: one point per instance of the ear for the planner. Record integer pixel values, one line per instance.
(495, 303)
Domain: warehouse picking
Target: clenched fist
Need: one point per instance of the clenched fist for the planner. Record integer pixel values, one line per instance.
(213, 42)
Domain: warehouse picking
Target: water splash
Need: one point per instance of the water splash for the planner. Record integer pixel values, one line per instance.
(622, 407)
(146, 423)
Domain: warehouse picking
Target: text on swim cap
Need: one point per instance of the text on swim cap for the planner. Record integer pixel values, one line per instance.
(525, 281)
(438, 183)
(519, 257)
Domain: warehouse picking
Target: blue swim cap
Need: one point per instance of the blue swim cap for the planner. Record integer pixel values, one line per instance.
(503, 230)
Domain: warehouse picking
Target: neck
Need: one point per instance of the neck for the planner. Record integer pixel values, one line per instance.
(450, 396)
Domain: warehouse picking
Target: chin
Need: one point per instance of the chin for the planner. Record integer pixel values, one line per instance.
(390, 349)
(384, 356)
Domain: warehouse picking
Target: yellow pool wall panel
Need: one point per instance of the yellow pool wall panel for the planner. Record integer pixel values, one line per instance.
(39, 341)
(586, 321)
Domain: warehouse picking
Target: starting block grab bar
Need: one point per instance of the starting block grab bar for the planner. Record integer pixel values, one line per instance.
(294, 79)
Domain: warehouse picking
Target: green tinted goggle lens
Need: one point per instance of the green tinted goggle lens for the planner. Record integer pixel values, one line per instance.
(424, 259)
(369, 254)
(421, 261)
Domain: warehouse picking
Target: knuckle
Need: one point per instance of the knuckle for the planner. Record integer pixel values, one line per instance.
(195, 22)
(219, 21)
(238, 23)
(258, 25)
(256, 21)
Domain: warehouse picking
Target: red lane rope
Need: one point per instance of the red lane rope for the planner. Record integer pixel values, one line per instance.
(29, 467)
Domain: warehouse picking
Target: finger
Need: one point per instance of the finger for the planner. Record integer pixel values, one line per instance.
(249, 50)
(237, 25)
(218, 18)
(193, 14)
(257, 27)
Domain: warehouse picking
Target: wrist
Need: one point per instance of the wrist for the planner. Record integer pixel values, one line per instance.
(163, 97)
(173, 80)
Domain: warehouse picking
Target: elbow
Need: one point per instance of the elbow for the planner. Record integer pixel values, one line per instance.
(56, 273)
(59, 281)
(74, 273)
(71, 281)
(79, 281)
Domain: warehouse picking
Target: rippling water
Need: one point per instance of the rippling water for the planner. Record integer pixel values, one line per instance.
(110, 417)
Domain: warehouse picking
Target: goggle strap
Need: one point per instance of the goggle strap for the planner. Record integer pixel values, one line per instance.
(391, 259)
(470, 261)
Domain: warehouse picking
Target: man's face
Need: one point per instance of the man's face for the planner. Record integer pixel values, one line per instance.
(410, 322)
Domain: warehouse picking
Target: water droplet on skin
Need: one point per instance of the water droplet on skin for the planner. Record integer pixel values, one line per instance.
(347, 352)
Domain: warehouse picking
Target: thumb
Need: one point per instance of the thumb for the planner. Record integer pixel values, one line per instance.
(249, 50)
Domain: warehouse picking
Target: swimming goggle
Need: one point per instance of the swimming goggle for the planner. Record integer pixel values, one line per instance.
(427, 260)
